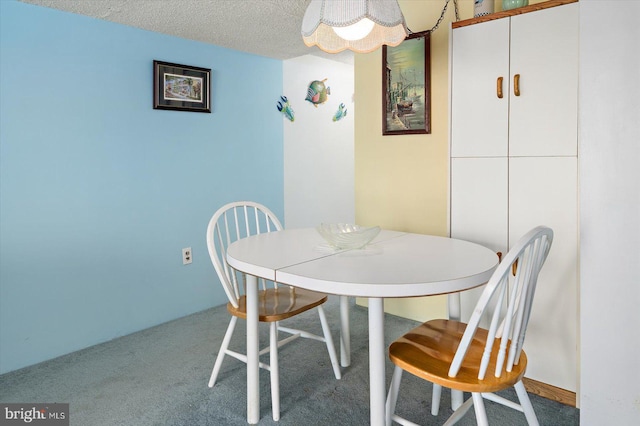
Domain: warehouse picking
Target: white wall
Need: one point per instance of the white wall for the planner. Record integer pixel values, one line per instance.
(318, 152)
(610, 212)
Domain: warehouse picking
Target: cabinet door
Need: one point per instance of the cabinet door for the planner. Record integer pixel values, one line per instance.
(543, 191)
(479, 119)
(479, 209)
(543, 120)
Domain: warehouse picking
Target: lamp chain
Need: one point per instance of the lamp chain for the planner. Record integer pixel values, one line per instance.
(444, 10)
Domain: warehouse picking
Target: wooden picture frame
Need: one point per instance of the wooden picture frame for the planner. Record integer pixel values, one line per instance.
(406, 86)
(181, 87)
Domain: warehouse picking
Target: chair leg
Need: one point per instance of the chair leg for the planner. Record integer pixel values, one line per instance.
(435, 399)
(273, 368)
(222, 351)
(392, 396)
(329, 341)
(478, 406)
(459, 413)
(525, 402)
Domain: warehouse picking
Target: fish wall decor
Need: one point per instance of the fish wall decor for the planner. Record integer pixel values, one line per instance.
(284, 107)
(341, 113)
(317, 92)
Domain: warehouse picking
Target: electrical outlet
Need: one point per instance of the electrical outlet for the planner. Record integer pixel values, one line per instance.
(187, 256)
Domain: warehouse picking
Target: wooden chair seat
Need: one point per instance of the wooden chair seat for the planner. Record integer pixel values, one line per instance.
(427, 352)
(277, 304)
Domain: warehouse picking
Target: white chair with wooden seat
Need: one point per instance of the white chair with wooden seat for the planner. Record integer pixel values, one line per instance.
(276, 303)
(472, 359)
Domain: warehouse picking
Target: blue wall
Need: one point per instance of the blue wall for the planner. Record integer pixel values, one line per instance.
(100, 192)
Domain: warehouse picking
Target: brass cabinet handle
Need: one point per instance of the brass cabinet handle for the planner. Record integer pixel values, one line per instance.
(516, 84)
(499, 87)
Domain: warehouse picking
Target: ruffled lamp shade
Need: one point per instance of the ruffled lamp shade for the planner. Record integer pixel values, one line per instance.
(364, 25)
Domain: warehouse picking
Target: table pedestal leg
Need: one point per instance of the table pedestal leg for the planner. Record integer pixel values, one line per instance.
(377, 352)
(345, 332)
(253, 368)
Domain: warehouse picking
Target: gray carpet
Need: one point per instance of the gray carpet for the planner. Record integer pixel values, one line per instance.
(159, 377)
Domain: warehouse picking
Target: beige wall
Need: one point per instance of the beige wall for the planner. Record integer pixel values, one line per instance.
(401, 182)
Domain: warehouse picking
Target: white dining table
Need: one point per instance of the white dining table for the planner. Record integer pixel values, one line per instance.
(394, 264)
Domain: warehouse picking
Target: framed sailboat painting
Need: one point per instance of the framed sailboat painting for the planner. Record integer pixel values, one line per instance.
(406, 86)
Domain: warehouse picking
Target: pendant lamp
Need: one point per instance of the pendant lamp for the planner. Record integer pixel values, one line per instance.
(358, 25)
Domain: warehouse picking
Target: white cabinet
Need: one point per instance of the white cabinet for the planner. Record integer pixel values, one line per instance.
(514, 97)
(538, 115)
(543, 190)
(543, 119)
(477, 65)
(479, 200)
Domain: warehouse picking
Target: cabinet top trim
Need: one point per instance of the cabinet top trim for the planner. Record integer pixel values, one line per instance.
(512, 12)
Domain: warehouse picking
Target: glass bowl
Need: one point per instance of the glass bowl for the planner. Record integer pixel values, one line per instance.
(347, 236)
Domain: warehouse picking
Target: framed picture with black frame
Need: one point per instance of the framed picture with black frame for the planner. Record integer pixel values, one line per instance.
(181, 87)
(406, 86)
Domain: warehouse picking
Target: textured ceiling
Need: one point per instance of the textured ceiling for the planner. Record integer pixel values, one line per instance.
(263, 27)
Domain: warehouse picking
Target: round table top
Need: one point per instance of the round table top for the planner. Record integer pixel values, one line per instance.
(394, 264)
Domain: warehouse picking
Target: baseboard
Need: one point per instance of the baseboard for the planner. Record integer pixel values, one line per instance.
(550, 392)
